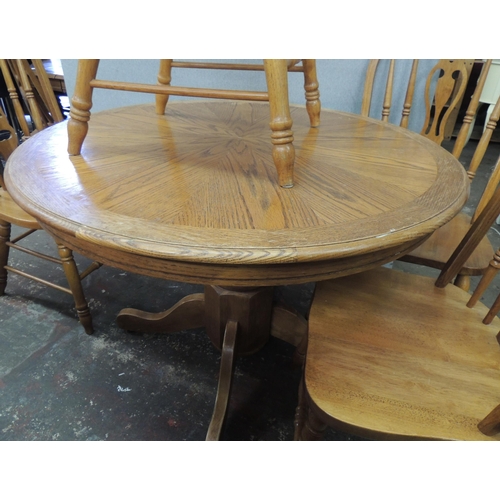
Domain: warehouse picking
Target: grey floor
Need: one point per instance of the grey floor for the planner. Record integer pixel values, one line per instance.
(57, 383)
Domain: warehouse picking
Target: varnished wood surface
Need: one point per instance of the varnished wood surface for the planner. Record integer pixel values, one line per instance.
(277, 94)
(390, 355)
(193, 195)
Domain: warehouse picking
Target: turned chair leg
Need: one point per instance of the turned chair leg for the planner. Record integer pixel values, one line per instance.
(75, 285)
(4, 253)
(308, 427)
(300, 411)
(281, 121)
(313, 428)
(164, 78)
(80, 105)
(488, 276)
(311, 86)
(494, 309)
(490, 425)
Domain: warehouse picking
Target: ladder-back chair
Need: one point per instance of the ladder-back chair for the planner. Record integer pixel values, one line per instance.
(29, 98)
(276, 70)
(393, 355)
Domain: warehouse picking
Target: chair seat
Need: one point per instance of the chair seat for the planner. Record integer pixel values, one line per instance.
(437, 249)
(11, 212)
(391, 375)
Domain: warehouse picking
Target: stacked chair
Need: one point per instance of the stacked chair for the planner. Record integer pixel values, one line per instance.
(276, 70)
(34, 107)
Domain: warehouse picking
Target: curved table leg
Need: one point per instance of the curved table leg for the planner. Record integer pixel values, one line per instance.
(225, 312)
(225, 381)
(286, 323)
(188, 313)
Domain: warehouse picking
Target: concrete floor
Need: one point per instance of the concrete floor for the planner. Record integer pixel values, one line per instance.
(57, 383)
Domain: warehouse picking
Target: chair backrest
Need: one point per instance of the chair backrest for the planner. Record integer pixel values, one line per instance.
(444, 91)
(479, 153)
(31, 94)
(389, 88)
(8, 137)
(452, 77)
(470, 114)
(33, 101)
(474, 235)
(8, 142)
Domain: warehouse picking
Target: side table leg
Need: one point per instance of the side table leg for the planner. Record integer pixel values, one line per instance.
(81, 103)
(281, 121)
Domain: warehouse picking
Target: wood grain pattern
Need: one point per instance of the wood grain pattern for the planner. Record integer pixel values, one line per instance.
(192, 195)
(276, 70)
(392, 356)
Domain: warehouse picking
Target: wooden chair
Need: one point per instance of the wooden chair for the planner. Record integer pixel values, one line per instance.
(11, 213)
(450, 78)
(31, 94)
(437, 249)
(391, 355)
(277, 94)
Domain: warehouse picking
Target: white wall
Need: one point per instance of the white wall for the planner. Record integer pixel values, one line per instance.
(341, 83)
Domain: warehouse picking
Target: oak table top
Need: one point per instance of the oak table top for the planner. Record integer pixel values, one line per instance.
(193, 196)
(196, 189)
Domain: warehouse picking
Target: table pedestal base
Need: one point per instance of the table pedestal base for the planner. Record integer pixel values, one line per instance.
(237, 320)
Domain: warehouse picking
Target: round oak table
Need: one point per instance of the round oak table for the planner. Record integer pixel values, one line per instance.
(193, 196)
